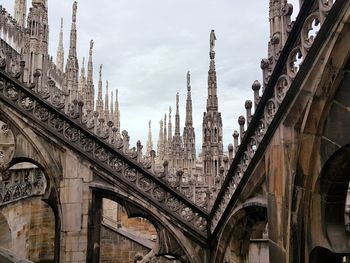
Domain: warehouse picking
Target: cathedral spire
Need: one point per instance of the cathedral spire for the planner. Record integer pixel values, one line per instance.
(189, 121)
(111, 111)
(82, 81)
(90, 90)
(73, 33)
(60, 49)
(149, 141)
(165, 145)
(177, 117)
(170, 127)
(160, 145)
(35, 50)
(189, 136)
(20, 12)
(116, 111)
(107, 101)
(72, 66)
(212, 146)
(212, 101)
(99, 102)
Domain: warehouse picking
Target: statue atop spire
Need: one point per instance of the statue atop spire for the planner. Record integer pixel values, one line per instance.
(111, 108)
(149, 141)
(177, 102)
(72, 66)
(212, 40)
(106, 102)
(212, 146)
(100, 71)
(170, 128)
(82, 82)
(116, 112)
(60, 49)
(90, 90)
(189, 136)
(99, 102)
(188, 80)
(91, 47)
(74, 14)
(212, 101)
(177, 117)
(189, 121)
(160, 145)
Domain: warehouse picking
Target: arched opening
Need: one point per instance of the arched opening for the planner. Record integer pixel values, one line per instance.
(31, 221)
(333, 188)
(123, 238)
(121, 232)
(246, 236)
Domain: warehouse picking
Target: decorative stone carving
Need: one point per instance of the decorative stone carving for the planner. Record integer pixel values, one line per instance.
(7, 146)
(289, 72)
(21, 183)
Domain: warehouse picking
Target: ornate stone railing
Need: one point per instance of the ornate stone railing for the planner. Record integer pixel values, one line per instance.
(17, 184)
(47, 109)
(272, 104)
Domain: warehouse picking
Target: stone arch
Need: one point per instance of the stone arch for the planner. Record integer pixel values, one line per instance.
(318, 124)
(327, 215)
(171, 243)
(320, 185)
(33, 149)
(5, 233)
(236, 234)
(33, 224)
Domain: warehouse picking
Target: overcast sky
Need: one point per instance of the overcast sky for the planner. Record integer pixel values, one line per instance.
(147, 46)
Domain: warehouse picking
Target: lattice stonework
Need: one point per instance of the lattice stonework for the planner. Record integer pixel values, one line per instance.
(18, 184)
(298, 53)
(78, 135)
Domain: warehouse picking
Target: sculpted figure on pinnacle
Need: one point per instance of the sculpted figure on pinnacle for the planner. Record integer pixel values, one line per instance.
(212, 40)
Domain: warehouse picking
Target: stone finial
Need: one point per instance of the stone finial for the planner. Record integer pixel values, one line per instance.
(241, 122)
(166, 168)
(230, 152)
(235, 140)
(248, 106)
(256, 87)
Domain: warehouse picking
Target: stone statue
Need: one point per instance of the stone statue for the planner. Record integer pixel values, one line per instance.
(188, 78)
(100, 72)
(74, 15)
(91, 46)
(212, 40)
(177, 100)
